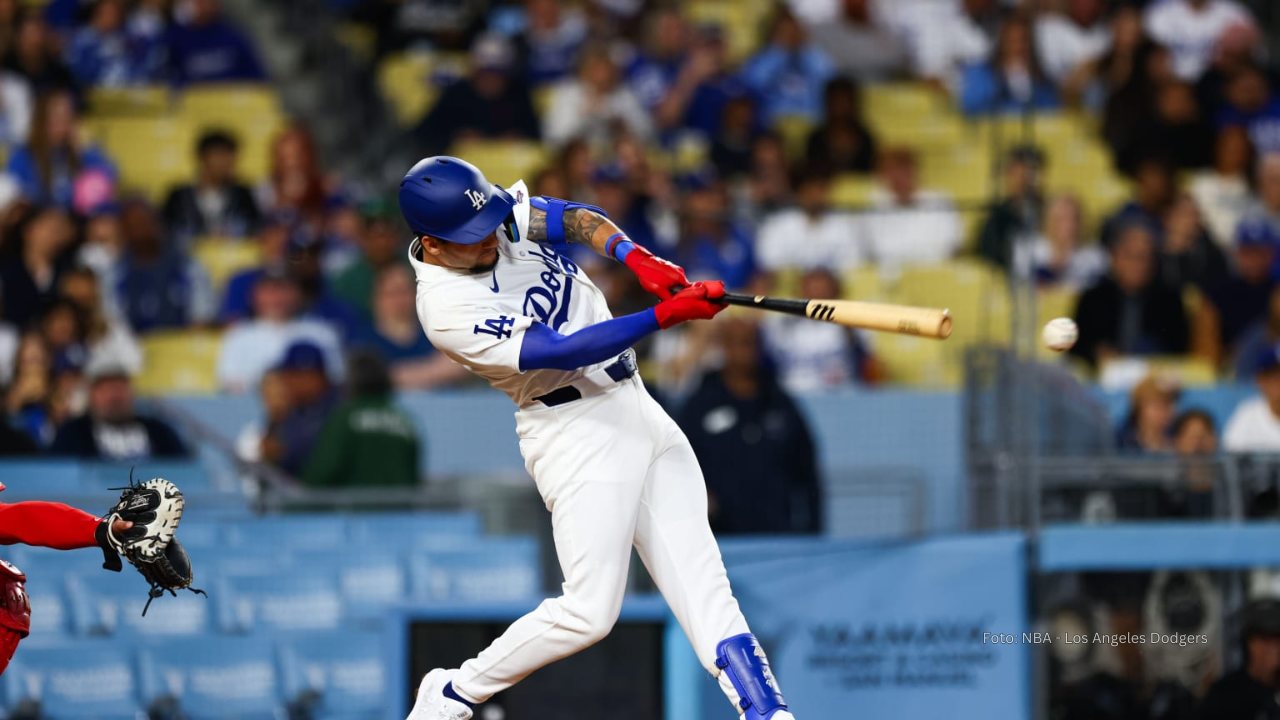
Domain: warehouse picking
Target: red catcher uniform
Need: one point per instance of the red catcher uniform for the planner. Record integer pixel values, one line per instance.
(46, 524)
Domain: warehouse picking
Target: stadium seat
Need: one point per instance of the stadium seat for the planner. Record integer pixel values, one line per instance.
(152, 153)
(407, 530)
(369, 579)
(50, 612)
(182, 361)
(409, 82)
(488, 569)
(222, 258)
(866, 283)
(917, 362)
(251, 113)
(84, 680)
(214, 678)
(336, 675)
(975, 293)
(144, 101)
(850, 192)
(102, 476)
(282, 601)
(739, 20)
(110, 604)
(502, 161)
(964, 171)
(290, 532)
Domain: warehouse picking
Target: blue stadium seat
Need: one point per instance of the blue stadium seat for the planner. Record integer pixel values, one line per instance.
(368, 581)
(106, 604)
(215, 678)
(86, 679)
(290, 532)
(186, 475)
(50, 611)
(408, 530)
(282, 602)
(39, 479)
(492, 569)
(342, 673)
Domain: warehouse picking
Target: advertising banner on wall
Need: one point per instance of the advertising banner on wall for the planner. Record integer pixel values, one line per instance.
(930, 629)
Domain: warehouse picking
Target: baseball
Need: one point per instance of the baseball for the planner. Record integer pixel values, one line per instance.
(1060, 334)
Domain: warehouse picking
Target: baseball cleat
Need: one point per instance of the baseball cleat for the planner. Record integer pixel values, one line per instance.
(432, 703)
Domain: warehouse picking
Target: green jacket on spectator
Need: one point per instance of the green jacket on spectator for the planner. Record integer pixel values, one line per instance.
(366, 442)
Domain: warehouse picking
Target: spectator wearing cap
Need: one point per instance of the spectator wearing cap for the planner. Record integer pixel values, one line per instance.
(253, 345)
(910, 224)
(1255, 424)
(1251, 691)
(492, 103)
(312, 399)
(1254, 106)
(705, 85)
(1155, 188)
(112, 428)
(158, 286)
(811, 234)
(1126, 312)
(395, 336)
(28, 279)
(306, 264)
(208, 48)
(1147, 427)
(1240, 300)
(548, 46)
(658, 62)
(1193, 30)
(1014, 218)
(790, 72)
(379, 247)
(842, 140)
(591, 104)
(366, 441)
(216, 204)
(1013, 80)
(711, 244)
(107, 53)
(1257, 340)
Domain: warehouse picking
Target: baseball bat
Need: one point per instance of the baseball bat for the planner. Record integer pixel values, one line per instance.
(905, 319)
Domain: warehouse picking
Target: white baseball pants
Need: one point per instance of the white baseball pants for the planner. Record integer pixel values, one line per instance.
(615, 471)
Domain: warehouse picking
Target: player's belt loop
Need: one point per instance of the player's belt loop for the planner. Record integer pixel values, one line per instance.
(617, 371)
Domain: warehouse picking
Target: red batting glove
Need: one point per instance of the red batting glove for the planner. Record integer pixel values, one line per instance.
(656, 275)
(696, 302)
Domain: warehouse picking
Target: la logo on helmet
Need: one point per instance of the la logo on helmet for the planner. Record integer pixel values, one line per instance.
(476, 197)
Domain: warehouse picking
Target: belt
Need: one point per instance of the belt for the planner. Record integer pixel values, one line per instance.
(617, 371)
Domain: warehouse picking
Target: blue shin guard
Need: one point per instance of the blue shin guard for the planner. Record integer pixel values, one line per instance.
(743, 659)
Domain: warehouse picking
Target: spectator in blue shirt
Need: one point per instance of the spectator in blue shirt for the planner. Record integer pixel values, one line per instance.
(1253, 105)
(790, 73)
(105, 53)
(549, 45)
(1013, 80)
(654, 69)
(209, 49)
(396, 336)
(279, 234)
(702, 88)
(54, 161)
(711, 244)
(158, 287)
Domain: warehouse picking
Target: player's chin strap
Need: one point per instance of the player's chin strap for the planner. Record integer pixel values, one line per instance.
(743, 660)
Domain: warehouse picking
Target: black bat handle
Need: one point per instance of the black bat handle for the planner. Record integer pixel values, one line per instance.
(783, 305)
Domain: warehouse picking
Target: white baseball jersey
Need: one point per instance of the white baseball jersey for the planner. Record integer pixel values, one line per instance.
(479, 320)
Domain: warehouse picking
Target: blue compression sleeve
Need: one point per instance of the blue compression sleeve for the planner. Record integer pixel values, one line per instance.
(546, 349)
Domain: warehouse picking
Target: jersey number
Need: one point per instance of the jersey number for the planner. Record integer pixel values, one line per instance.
(499, 327)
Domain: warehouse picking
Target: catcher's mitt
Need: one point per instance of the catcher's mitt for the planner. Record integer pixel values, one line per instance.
(155, 508)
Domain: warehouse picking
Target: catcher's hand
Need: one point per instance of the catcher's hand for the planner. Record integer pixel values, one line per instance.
(142, 527)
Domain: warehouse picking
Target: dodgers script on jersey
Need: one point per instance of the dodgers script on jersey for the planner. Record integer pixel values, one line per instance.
(479, 320)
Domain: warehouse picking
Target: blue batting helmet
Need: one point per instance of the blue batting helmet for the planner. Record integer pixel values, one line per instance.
(450, 199)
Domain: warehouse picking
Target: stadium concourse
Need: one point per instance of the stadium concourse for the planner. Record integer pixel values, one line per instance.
(203, 274)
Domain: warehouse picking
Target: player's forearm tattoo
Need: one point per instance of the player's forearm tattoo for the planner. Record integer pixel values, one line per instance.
(537, 225)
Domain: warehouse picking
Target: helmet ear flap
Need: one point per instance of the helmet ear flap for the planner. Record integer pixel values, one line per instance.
(508, 230)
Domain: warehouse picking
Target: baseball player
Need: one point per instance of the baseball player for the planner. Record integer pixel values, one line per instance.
(614, 470)
(46, 524)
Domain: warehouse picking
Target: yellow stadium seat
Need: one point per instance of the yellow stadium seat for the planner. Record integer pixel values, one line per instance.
(903, 102)
(406, 82)
(964, 171)
(853, 191)
(794, 130)
(153, 154)
(739, 20)
(222, 258)
(149, 100)
(1055, 302)
(942, 130)
(1044, 130)
(866, 283)
(502, 161)
(917, 362)
(251, 113)
(975, 293)
(179, 362)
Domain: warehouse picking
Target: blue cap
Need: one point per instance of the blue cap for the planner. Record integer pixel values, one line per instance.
(303, 355)
(450, 199)
(1257, 232)
(1268, 359)
(608, 173)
